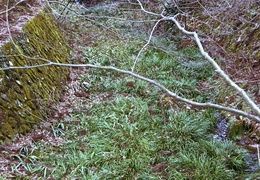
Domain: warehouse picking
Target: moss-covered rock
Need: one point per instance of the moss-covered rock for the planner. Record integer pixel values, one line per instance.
(25, 94)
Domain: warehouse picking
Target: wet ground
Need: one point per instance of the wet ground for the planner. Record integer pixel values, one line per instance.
(252, 159)
(221, 132)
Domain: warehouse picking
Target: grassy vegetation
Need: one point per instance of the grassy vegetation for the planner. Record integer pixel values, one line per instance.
(128, 129)
(117, 138)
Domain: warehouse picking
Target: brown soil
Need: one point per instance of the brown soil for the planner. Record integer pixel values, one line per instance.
(14, 16)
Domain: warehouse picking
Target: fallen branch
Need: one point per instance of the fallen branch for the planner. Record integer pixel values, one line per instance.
(217, 68)
(167, 91)
(247, 99)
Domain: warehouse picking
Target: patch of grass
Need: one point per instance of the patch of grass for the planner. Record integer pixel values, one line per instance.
(119, 139)
(128, 129)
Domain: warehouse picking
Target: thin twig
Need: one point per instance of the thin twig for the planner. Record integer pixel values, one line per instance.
(148, 12)
(258, 154)
(148, 42)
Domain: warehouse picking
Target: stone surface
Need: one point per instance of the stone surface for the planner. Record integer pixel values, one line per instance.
(26, 94)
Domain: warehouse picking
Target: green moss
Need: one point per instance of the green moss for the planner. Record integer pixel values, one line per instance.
(7, 130)
(236, 130)
(26, 127)
(2, 138)
(27, 89)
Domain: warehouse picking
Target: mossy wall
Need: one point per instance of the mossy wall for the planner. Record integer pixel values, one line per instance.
(26, 94)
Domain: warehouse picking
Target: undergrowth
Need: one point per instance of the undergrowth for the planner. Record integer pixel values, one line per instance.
(128, 129)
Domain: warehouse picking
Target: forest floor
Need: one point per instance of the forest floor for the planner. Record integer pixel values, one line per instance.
(111, 126)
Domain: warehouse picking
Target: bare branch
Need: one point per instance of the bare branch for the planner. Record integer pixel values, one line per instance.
(148, 42)
(170, 93)
(148, 12)
(247, 99)
(14, 6)
(155, 83)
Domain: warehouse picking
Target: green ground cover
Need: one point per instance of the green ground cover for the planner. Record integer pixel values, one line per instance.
(126, 128)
